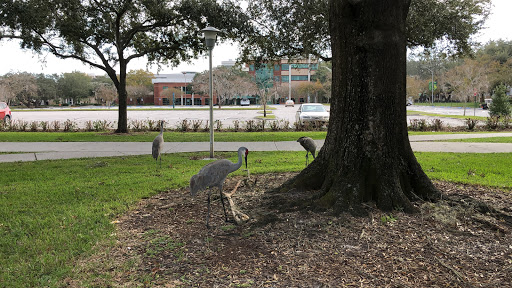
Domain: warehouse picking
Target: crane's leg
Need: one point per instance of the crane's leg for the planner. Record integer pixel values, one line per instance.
(160, 160)
(208, 215)
(223, 206)
(313, 153)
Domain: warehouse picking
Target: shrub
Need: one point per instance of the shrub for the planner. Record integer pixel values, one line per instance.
(184, 125)
(56, 125)
(250, 126)
(196, 125)
(152, 125)
(69, 125)
(493, 122)
(206, 126)
(33, 126)
(436, 124)
(506, 121)
(218, 125)
(285, 125)
(89, 126)
(138, 125)
(418, 125)
(261, 125)
(236, 125)
(22, 125)
(471, 123)
(274, 125)
(500, 102)
(101, 125)
(45, 125)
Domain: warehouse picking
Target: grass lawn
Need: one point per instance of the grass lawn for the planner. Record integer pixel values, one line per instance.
(52, 212)
(188, 136)
(484, 140)
(412, 112)
(149, 136)
(449, 104)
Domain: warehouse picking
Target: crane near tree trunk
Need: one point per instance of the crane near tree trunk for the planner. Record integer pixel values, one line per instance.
(367, 155)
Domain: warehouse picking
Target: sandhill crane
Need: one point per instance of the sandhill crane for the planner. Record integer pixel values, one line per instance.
(213, 175)
(158, 144)
(308, 144)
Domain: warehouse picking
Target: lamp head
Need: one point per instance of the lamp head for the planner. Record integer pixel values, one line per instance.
(210, 36)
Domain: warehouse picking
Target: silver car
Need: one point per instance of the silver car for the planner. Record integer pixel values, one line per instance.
(312, 112)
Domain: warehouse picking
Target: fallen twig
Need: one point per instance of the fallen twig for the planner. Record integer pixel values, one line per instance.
(237, 215)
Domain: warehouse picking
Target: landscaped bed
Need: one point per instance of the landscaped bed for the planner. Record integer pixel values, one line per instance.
(462, 241)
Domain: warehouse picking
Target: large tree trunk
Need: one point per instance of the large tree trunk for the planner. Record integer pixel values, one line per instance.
(367, 155)
(122, 126)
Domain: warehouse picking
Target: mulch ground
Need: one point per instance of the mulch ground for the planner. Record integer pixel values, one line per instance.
(462, 241)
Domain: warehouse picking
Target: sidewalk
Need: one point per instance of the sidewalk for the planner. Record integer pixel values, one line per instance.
(33, 151)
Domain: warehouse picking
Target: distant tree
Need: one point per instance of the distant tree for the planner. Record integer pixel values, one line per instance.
(499, 50)
(167, 93)
(138, 92)
(47, 87)
(22, 87)
(6, 93)
(74, 85)
(109, 34)
(139, 78)
(105, 93)
(228, 82)
(310, 89)
(467, 80)
(500, 102)
(415, 86)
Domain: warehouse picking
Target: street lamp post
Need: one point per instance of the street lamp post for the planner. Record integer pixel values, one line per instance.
(184, 88)
(210, 36)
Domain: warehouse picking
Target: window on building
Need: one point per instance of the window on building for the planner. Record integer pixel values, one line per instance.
(300, 78)
(276, 67)
(251, 67)
(165, 87)
(277, 79)
(284, 79)
(165, 101)
(285, 67)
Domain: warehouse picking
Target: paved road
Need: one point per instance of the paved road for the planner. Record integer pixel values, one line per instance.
(225, 115)
(33, 151)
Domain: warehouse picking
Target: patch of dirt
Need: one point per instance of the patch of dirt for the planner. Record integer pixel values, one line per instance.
(457, 242)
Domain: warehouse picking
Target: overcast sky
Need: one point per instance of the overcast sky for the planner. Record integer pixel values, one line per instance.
(13, 59)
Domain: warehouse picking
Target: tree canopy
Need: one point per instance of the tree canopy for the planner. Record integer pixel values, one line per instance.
(109, 34)
(299, 28)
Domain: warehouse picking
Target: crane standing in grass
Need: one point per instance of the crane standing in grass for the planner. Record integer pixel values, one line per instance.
(308, 144)
(213, 175)
(158, 144)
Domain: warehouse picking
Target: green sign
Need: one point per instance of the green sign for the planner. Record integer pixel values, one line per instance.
(430, 85)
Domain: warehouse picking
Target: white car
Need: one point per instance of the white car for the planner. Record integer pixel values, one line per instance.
(312, 112)
(245, 102)
(289, 103)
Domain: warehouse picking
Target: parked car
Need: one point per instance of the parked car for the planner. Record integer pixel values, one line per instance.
(409, 101)
(312, 112)
(5, 112)
(487, 103)
(289, 103)
(245, 102)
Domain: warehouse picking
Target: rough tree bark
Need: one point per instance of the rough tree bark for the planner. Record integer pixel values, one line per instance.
(367, 155)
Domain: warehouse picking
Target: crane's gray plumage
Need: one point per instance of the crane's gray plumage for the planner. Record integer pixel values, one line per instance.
(308, 144)
(158, 144)
(213, 175)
